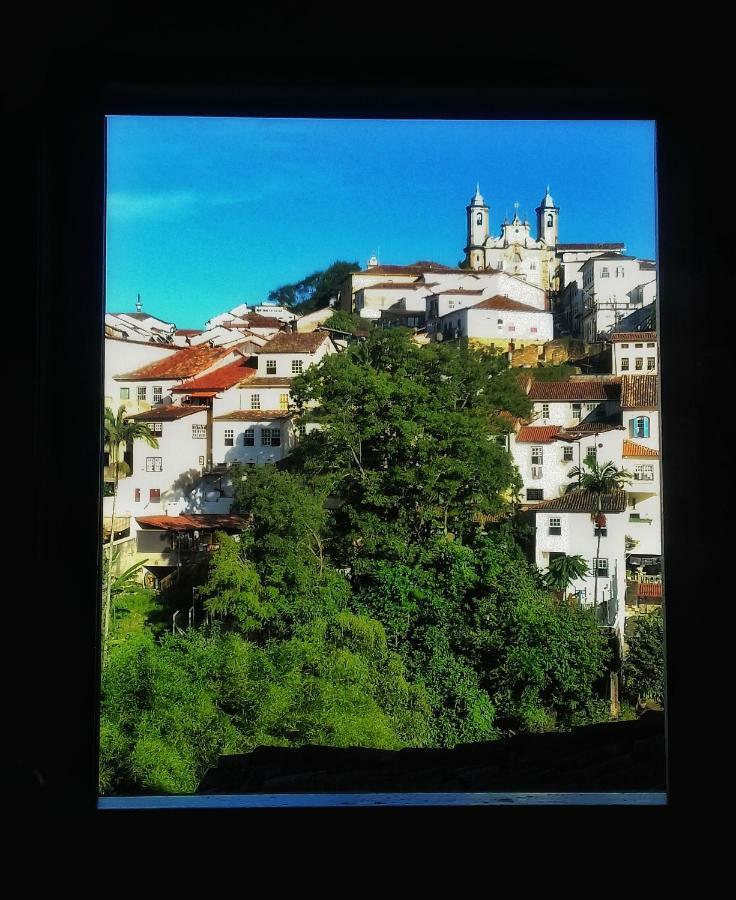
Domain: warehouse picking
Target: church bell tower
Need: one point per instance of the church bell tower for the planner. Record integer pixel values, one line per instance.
(477, 231)
(548, 218)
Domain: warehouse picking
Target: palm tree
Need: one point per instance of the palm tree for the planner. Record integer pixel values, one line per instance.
(563, 570)
(118, 430)
(600, 481)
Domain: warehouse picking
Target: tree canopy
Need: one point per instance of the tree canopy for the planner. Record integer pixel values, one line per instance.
(313, 291)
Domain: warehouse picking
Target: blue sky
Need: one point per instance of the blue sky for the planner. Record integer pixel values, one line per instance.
(207, 213)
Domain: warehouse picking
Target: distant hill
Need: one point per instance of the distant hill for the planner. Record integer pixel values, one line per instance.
(314, 291)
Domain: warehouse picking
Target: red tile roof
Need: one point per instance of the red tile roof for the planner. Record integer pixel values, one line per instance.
(219, 379)
(168, 412)
(394, 286)
(584, 501)
(537, 434)
(456, 291)
(256, 320)
(619, 336)
(574, 390)
(188, 332)
(295, 342)
(633, 449)
(192, 522)
(273, 381)
(255, 415)
(653, 589)
(639, 392)
(591, 246)
(505, 303)
(186, 363)
(587, 428)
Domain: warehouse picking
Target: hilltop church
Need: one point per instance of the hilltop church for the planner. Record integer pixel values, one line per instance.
(541, 261)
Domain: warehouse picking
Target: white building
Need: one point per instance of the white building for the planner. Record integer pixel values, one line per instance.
(610, 284)
(497, 321)
(120, 355)
(568, 403)
(566, 525)
(634, 353)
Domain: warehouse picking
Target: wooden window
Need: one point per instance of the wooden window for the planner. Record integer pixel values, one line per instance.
(651, 363)
(137, 495)
(255, 401)
(591, 452)
(639, 427)
(567, 454)
(537, 456)
(249, 437)
(534, 494)
(154, 495)
(604, 272)
(639, 363)
(199, 431)
(270, 367)
(271, 437)
(156, 427)
(125, 393)
(229, 437)
(644, 472)
(142, 393)
(283, 401)
(157, 393)
(555, 525)
(545, 410)
(625, 364)
(576, 410)
(297, 366)
(600, 566)
(154, 464)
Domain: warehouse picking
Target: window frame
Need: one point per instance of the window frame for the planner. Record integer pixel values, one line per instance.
(229, 437)
(297, 367)
(249, 437)
(270, 367)
(151, 464)
(554, 530)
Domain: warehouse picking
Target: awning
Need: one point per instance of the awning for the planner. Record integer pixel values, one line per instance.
(200, 393)
(204, 521)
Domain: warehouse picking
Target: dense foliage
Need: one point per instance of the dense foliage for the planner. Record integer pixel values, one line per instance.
(366, 603)
(341, 320)
(644, 668)
(314, 291)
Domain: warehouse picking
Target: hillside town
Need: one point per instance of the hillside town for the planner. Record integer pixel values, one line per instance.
(221, 396)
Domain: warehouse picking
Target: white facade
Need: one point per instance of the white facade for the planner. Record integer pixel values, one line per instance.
(609, 283)
(162, 477)
(499, 325)
(575, 534)
(253, 440)
(637, 354)
(125, 356)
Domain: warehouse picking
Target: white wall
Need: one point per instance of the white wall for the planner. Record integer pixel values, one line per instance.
(259, 453)
(284, 360)
(631, 351)
(126, 356)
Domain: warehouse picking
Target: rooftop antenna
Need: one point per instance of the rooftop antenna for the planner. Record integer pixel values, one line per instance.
(138, 304)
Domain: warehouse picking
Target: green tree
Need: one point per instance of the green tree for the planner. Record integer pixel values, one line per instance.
(352, 323)
(118, 430)
(644, 665)
(563, 570)
(600, 481)
(314, 291)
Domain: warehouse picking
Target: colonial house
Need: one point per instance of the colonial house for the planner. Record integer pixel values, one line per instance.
(610, 282)
(152, 384)
(120, 354)
(568, 403)
(568, 525)
(498, 321)
(634, 352)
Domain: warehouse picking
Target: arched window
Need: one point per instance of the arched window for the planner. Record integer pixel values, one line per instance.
(550, 221)
(479, 219)
(639, 427)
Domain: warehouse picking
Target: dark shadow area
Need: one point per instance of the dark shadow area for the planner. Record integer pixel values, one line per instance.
(615, 756)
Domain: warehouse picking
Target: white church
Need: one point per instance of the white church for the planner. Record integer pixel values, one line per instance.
(540, 260)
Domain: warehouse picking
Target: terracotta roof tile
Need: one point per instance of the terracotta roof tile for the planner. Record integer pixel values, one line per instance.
(584, 501)
(653, 589)
(574, 390)
(295, 342)
(394, 286)
(639, 392)
(219, 379)
(619, 336)
(504, 303)
(591, 246)
(255, 415)
(533, 434)
(186, 363)
(633, 449)
(192, 522)
(266, 381)
(168, 412)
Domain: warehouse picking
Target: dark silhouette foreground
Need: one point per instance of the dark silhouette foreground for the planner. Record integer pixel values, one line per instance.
(616, 756)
